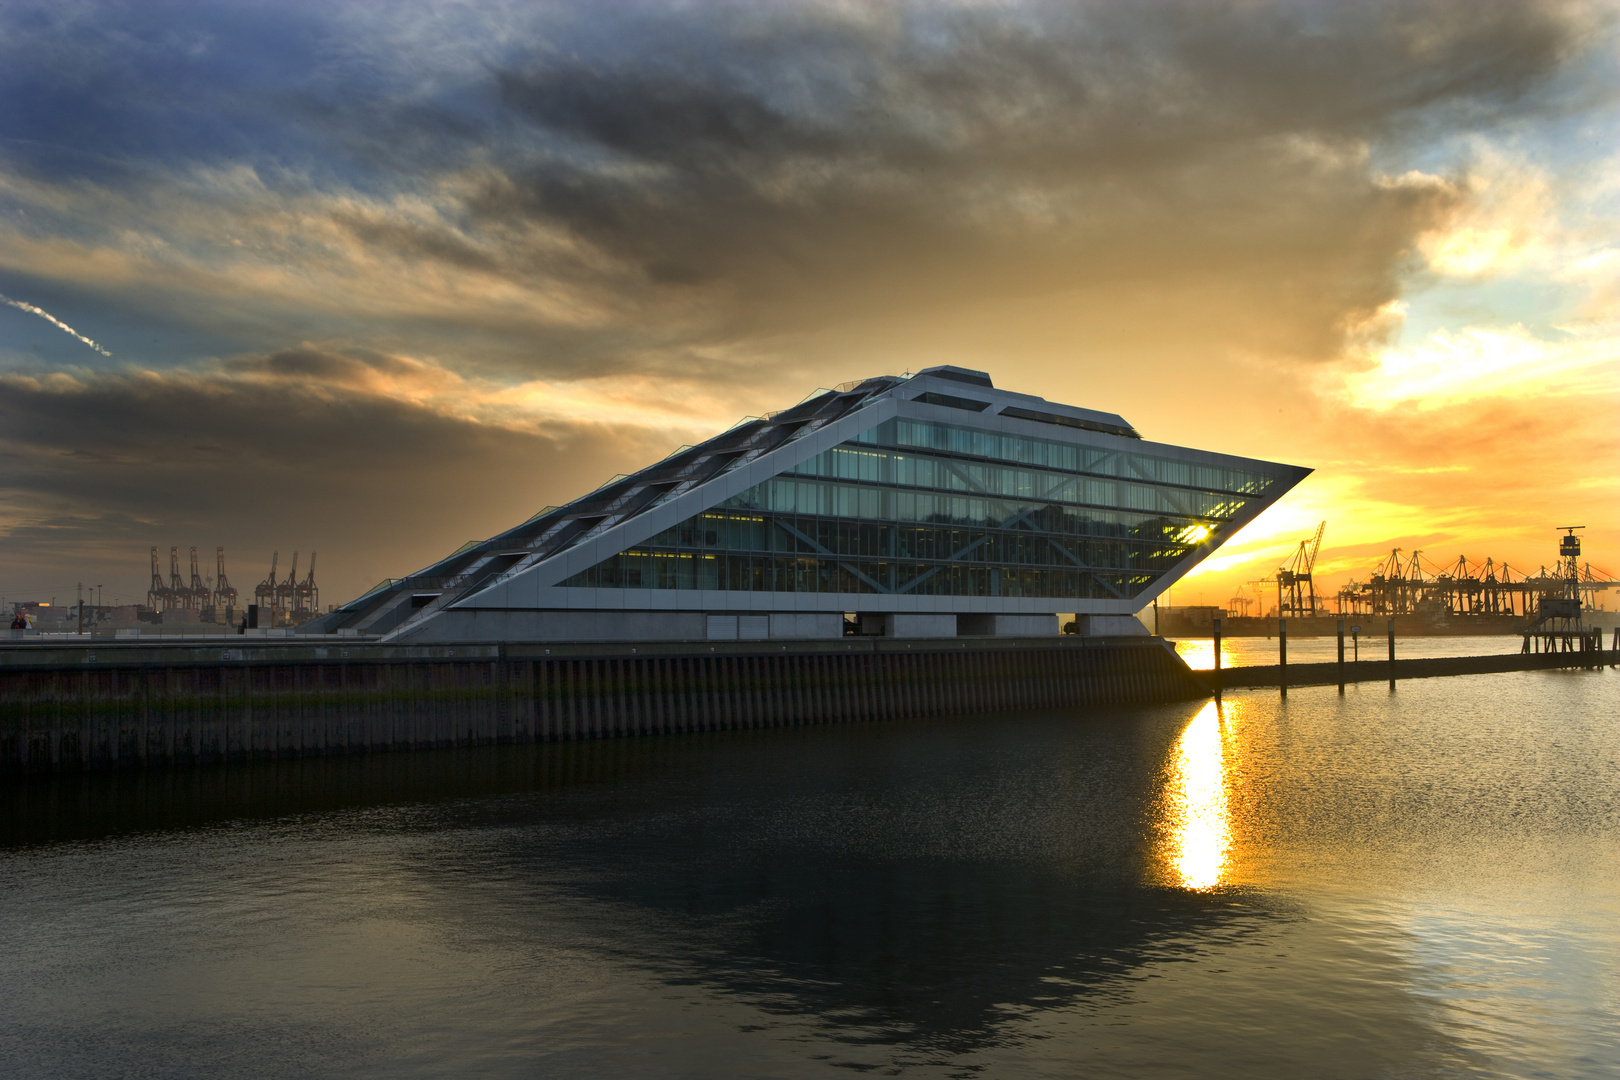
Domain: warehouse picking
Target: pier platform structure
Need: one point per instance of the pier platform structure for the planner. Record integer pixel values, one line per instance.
(126, 704)
(1590, 655)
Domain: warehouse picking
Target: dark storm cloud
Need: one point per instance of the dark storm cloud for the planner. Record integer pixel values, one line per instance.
(293, 457)
(573, 191)
(802, 162)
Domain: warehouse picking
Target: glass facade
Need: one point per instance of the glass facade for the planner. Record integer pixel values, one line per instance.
(921, 508)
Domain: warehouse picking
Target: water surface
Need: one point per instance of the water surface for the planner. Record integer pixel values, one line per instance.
(1424, 883)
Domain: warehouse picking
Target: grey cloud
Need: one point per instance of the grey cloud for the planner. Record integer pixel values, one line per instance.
(97, 471)
(692, 188)
(806, 166)
(325, 366)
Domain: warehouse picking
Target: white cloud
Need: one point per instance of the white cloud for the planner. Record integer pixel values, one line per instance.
(1477, 362)
(1508, 218)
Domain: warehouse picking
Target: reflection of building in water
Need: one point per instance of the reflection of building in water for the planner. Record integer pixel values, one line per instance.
(1198, 815)
(959, 879)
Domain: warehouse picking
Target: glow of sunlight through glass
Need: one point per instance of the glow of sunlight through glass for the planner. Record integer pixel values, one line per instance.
(1199, 818)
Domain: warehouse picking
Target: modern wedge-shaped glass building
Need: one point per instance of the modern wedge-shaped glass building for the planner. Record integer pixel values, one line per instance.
(928, 506)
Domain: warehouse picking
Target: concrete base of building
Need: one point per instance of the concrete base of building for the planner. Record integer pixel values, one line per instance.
(1006, 625)
(1111, 626)
(777, 626)
(903, 625)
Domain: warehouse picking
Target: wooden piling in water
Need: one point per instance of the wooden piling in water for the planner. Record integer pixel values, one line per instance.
(1392, 654)
(1341, 657)
(1282, 654)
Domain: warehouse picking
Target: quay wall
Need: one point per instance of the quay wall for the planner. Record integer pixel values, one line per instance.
(108, 705)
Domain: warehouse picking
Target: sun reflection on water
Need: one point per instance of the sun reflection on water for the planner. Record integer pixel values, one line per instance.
(1198, 817)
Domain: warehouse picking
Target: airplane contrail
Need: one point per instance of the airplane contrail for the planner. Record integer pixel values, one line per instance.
(53, 320)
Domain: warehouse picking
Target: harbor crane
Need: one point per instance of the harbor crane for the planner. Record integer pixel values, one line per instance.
(1400, 586)
(286, 592)
(1296, 592)
(264, 593)
(179, 594)
(306, 596)
(157, 594)
(224, 591)
(1260, 585)
(202, 595)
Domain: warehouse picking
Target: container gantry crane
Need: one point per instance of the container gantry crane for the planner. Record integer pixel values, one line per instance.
(224, 591)
(264, 593)
(306, 597)
(1296, 591)
(202, 596)
(179, 594)
(157, 594)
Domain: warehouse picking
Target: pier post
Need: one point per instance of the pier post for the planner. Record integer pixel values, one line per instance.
(1341, 657)
(1217, 659)
(1392, 654)
(1282, 654)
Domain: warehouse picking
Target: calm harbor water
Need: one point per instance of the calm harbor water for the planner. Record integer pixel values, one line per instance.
(1423, 883)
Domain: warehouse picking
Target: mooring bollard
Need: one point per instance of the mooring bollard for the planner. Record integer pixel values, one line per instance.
(1341, 657)
(1217, 660)
(1392, 654)
(1282, 654)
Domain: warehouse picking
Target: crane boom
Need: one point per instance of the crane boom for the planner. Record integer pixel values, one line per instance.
(1316, 545)
(158, 591)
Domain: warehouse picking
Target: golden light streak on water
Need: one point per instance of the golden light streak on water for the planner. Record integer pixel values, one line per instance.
(1198, 814)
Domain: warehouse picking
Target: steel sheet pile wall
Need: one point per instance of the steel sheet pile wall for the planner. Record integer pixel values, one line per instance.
(110, 711)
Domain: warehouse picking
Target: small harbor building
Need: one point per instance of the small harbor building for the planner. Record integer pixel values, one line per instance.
(928, 506)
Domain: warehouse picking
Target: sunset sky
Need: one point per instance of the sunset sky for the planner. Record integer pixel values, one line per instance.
(379, 279)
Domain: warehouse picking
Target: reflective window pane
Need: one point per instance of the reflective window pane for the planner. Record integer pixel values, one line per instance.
(932, 509)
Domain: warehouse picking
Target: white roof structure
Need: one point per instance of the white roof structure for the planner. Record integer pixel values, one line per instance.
(935, 494)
